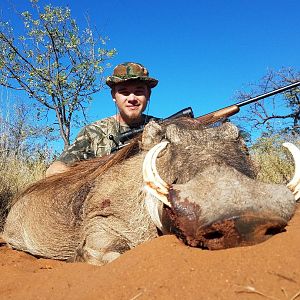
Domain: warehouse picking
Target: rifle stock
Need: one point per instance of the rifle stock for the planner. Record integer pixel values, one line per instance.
(218, 115)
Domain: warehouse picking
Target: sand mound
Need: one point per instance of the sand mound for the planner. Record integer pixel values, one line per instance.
(163, 269)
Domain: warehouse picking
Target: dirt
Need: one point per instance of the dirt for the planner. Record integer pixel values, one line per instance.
(163, 269)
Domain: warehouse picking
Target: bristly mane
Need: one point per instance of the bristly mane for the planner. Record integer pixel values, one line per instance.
(85, 172)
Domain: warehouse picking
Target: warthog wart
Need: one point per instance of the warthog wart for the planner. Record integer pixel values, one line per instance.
(180, 178)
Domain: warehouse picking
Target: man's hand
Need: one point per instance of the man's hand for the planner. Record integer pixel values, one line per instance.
(56, 168)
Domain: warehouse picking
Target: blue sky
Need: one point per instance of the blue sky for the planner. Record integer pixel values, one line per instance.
(202, 52)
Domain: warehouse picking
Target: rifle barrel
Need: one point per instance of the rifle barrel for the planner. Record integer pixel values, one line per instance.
(231, 110)
(277, 91)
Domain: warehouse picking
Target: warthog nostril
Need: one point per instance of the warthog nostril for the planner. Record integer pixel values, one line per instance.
(213, 235)
(274, 230)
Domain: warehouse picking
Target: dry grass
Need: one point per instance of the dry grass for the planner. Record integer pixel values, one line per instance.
(15, 174)
(274, 163)
(253, 290)
(23, 151)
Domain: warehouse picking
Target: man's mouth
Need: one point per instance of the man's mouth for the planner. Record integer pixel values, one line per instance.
(133, 107)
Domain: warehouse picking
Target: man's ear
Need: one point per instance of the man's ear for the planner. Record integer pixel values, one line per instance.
(113, 96)
(112, 92)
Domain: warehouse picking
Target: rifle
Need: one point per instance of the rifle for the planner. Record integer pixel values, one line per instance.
(228, 111)
(206, 119)
(124, 137)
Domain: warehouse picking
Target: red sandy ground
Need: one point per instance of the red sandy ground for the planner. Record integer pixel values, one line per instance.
(163, 269)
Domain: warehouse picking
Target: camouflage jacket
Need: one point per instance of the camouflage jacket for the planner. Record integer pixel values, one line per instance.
(92, 141)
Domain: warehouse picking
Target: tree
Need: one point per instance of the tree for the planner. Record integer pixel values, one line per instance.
(24, 150)
(54, 62)
(270, 122)
(21, 135)
(279, 114)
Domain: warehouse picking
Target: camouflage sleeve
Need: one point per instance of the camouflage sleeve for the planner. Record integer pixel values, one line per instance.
(81, 149)
(93, 140)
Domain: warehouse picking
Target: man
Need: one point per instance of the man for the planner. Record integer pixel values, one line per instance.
(130, 89)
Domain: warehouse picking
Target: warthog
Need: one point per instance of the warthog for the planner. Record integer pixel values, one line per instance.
(182, 178)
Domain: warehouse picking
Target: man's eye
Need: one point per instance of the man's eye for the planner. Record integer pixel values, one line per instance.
(124, 93)
(139, 92)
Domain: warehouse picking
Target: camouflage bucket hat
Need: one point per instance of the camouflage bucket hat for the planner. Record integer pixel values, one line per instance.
(130, 71)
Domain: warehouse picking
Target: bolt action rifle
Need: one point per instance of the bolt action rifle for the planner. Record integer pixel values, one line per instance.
(207, 119)
(126, 136)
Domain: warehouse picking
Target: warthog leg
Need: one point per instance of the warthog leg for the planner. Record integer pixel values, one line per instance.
(100, 245)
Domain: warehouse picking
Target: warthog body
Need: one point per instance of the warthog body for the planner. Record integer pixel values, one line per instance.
(99, 209)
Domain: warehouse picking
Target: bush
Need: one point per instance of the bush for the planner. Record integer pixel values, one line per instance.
(274, 162)
(15, 174)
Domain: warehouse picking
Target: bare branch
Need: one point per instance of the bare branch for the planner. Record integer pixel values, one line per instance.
(285, 107)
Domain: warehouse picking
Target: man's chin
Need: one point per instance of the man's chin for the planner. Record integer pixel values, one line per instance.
(132, 116)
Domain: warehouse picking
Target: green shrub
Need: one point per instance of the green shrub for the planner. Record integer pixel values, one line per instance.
(274, 162)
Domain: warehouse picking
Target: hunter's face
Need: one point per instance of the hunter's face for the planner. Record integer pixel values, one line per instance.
(131, 99)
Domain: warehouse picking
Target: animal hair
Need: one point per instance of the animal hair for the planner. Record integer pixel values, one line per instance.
(84, 172)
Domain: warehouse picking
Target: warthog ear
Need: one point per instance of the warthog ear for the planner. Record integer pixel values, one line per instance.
(152, 135)
(294, 184)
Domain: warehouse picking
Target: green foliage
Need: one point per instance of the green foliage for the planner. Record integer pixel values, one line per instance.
(273, 161)
(55, 62)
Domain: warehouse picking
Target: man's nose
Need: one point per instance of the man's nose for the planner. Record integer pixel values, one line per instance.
(131, 97)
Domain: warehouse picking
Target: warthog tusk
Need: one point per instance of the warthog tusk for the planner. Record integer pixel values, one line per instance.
(153, 182)
(294, 184)
(154, 207)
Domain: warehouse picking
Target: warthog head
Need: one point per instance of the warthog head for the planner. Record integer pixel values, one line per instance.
(201, 186)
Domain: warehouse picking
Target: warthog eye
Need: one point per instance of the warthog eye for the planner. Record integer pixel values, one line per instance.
(175, 181)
